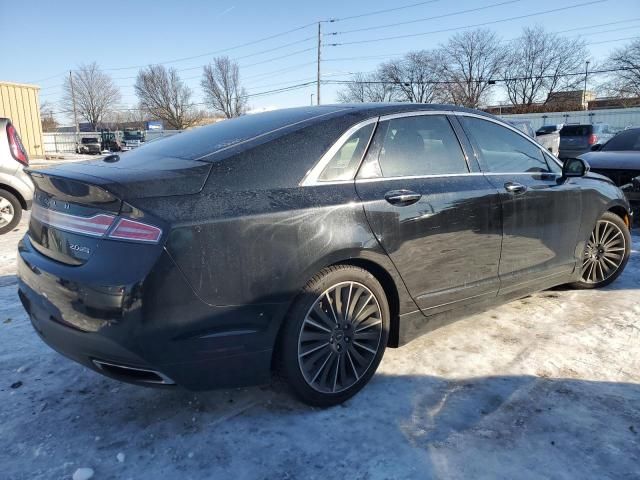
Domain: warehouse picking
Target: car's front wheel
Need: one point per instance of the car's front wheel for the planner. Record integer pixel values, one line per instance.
(10, 211)
(606, 252)
(334, 335)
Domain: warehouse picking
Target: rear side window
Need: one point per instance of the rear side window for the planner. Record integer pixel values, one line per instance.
(503, 150)
(345, 161)
(415, 146)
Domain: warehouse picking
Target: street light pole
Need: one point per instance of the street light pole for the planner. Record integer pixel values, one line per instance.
(312, 99)
(584, 93)
(319, 47)
(73, 101)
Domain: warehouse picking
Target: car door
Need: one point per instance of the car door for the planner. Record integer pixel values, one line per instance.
(436, 215)
(541, 209)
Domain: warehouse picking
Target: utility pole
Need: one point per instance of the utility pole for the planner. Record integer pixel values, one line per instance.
(312, 99)
(73, 100)
(584, 95)
(319, 47)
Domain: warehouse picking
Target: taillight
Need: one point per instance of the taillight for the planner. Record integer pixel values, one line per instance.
(98, 225)
(15, 145)
(593, 139)
(95, 226)
(127, 229)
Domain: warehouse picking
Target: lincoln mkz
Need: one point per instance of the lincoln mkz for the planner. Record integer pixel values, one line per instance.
(304, 242)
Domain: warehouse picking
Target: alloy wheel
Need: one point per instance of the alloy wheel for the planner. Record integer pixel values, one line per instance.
(604, 252)
(6, 212)
(340, 337)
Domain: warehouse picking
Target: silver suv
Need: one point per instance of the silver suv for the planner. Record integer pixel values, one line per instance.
(16, 188)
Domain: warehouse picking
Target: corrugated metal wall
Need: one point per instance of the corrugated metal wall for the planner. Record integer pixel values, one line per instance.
(20, 103)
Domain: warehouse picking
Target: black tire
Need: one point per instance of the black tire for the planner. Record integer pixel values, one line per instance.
(590, 279)
(295, 355)
(15, 209)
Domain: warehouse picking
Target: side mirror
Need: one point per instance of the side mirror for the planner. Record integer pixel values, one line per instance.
(597, 147)
(574, 167)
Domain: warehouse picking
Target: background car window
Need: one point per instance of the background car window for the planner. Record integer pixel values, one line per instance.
(344, 162)
(628, 140)
(420, 145)
(504, 151)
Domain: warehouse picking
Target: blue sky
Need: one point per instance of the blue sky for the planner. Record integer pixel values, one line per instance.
(48, 38)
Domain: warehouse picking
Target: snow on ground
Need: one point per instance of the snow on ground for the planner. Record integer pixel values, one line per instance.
(544, 387)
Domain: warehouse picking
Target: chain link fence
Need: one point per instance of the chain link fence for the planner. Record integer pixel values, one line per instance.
(617, 119)
(65, 142)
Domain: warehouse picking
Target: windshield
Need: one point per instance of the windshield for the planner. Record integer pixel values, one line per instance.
(133, 135)
(628, 140)
(89, 140)
(546, 129)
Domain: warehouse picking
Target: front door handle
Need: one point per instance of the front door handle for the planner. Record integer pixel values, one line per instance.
(402, 198)
(515, 188)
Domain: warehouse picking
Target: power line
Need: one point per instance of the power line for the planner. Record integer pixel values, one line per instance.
(613, 40)
(377, 12)
(480, 80)
(216, 52)
(493, 22)
(424, 19)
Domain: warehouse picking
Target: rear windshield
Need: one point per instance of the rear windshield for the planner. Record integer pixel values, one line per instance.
(576, 130)
(196, 143)
(547, 129)
(628, 140)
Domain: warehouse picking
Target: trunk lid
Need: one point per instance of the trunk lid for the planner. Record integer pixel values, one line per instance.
(75, 205)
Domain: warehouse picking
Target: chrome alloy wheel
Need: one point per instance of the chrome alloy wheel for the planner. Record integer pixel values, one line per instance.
(340, 337)
(6, 212)
(604, 252)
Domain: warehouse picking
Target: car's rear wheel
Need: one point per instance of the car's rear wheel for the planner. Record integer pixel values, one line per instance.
(334, 336)
(606, 252)
(10, 211)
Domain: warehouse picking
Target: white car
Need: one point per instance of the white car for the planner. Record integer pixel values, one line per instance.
(549, 137)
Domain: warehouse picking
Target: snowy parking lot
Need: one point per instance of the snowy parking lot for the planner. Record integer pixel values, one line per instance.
(544, 387)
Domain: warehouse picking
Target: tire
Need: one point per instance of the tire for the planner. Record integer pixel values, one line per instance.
(606, 253)
(325, 356)
(10, 211)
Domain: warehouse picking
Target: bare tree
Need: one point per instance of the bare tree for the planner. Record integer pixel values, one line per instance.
(626, 81)
(222, 89)
(471, 60)
(538, 63)
(49, 122)
(95, 93)
(163, 95)
(416, 76)
(368, 88)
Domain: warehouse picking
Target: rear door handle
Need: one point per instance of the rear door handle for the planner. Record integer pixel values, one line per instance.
(402, 198)
(515, 188)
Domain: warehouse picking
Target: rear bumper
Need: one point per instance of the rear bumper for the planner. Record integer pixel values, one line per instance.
(160, 327)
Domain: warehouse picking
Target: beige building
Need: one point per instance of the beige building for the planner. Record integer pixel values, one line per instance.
(20, 103)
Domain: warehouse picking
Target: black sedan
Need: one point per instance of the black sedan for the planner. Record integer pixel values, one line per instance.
(305, 241)
(619, 159)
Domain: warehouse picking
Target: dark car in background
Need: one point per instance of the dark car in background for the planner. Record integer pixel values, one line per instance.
(578, 139)
(619, 160)
(305, 241)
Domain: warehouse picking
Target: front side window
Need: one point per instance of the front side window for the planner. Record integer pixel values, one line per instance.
(415, 146)
(345, 161)
(503, 150)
